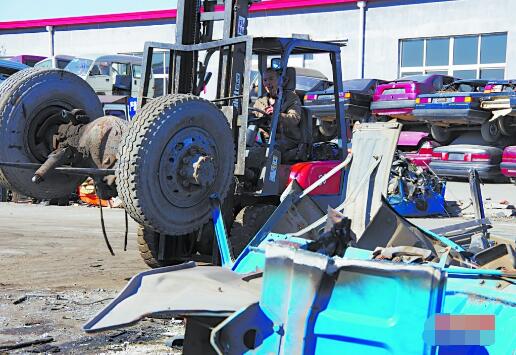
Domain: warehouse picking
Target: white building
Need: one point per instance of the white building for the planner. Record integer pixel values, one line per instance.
(386, 38)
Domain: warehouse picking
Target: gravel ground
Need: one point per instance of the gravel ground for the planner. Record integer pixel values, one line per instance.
(54, 265)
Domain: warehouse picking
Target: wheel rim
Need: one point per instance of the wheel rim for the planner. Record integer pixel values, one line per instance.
(493, 128)
(39, 144)
(188, 167)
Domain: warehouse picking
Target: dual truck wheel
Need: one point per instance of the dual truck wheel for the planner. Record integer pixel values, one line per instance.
(28, 99)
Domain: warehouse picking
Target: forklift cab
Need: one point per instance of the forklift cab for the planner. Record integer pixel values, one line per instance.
(275, 166)
(264, 172)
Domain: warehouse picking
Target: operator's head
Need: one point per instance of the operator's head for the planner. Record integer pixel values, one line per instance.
(270, 81)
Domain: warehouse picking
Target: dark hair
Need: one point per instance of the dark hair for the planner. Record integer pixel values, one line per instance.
(272, 70)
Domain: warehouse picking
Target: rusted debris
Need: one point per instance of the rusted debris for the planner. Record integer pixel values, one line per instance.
(47, 348)
(24, 344)
(117, 334)
(21, 299)
(175, 341)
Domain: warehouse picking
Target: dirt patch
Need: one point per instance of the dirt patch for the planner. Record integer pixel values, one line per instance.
(56, 273)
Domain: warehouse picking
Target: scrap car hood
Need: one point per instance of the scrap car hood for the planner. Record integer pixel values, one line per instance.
(184, 289)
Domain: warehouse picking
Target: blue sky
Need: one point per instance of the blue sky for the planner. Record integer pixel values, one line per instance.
(40, 9)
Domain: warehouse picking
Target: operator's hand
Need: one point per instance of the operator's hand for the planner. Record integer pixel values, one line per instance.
(264, 133)
(269, 110)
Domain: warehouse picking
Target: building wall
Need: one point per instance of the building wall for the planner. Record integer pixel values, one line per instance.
(387, 21)
(386, 25)
(339, 23)
(12, 44)
(110, 40)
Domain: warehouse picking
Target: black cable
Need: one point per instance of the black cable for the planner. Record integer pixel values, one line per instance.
(102, 221)
(126, 230)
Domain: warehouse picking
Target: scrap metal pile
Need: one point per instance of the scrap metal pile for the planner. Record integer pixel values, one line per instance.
(367, 275)
(413, 191)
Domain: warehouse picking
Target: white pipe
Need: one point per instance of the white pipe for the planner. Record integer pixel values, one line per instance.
(50, 30)
(361, 37)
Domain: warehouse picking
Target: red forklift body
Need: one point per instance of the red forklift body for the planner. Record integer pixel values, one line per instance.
(308, 172)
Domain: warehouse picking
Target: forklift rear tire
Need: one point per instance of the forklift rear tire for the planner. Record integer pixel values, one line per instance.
(247, 223)
(28, 99)
(441, 134)
(173, 140)
(148, 246)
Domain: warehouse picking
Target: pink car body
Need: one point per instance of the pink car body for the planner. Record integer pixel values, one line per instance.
(398, 98)
(417, 147)
(508, 164)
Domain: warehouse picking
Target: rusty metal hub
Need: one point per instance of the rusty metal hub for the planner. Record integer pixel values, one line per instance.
(188, 167)
(76, 141)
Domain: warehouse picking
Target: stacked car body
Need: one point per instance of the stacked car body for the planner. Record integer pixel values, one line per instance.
(460, 124)
(398, 98)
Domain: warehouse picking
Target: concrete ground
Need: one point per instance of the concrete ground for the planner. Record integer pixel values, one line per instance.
(55, 266)
(456, 190)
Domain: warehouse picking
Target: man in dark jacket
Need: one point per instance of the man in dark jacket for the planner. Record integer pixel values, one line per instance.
(288, 134)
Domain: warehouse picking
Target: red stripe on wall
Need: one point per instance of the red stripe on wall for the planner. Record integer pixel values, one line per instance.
(270, 5)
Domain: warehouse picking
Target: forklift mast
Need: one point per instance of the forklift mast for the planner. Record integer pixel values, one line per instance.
(187, 74)
(194, 27)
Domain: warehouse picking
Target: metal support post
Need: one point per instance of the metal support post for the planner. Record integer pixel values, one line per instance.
(224, 245)
(476, 196)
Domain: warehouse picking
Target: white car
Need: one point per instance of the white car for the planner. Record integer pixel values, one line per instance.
(59, 61)
(111, 74)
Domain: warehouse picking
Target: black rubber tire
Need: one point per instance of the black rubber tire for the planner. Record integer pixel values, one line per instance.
(328, 130)
(3, 194)
(441, 134)
(139, 159)
(490, 131)
(507, 126)
(148, 246)
(247, 223)
(23, 96)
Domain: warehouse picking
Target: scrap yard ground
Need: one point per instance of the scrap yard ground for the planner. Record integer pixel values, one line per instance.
(55, 273)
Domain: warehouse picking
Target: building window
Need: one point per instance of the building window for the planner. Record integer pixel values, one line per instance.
(466, 57)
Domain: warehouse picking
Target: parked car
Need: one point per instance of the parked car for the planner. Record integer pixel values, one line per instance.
(119, 106)
(417, 147)
(111, 74)
(508, 165)
(500, 100)
(307, 80)
(465, 153)
(27, 59)
(59, 61)
(398, 98)
(7, 68)
(455, 108)
(356, 96)
(498, 95)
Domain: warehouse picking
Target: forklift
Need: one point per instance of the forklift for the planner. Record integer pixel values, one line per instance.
(181, 150)
(203, 145)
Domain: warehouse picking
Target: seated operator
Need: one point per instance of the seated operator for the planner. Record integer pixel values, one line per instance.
(288, 134)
